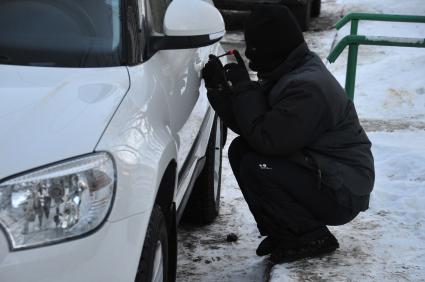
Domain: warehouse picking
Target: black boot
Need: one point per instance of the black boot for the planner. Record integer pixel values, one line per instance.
(317, 247)
(265, 247)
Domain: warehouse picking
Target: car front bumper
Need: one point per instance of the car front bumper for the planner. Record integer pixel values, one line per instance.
(110, 254)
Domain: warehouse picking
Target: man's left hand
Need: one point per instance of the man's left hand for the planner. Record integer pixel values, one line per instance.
(214, 74)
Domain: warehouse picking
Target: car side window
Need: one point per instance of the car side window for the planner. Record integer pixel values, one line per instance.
(135, 41)
(156, 13)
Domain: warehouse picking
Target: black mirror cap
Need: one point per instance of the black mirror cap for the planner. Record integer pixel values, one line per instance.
(157, 43)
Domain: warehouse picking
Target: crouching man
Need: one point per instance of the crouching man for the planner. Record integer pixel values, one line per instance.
(302, 159)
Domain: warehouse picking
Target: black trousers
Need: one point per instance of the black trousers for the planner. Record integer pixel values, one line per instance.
(285, 197)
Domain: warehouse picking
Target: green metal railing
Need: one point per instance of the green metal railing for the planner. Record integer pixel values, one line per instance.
(353, 41)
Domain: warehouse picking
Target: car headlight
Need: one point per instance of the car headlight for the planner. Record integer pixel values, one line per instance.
(57, 202)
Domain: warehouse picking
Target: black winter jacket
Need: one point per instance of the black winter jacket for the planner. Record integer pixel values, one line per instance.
(299, 111)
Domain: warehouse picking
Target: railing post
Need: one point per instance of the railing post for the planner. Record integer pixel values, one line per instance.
(353, 49)
(353, 41)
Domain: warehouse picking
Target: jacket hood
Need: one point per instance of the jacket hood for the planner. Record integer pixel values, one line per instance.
(50, 114)
(271, 34)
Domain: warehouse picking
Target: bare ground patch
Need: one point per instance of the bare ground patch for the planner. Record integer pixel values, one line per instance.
(372, 125)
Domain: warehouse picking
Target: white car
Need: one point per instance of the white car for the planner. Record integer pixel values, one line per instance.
(105, 135)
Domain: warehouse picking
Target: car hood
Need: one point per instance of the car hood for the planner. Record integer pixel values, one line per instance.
(50, 114)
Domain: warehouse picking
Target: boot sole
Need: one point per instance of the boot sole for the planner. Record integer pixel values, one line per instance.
(318, 253)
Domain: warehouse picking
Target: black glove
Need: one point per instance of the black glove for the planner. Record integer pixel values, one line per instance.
(213, 74)
(236, 74)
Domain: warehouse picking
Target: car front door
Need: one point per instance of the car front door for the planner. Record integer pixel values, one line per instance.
(180, 78)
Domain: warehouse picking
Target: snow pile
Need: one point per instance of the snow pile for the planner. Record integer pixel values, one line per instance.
(390, 80)
(387, 243)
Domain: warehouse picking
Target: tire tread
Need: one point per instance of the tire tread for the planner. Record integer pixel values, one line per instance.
(156, 223)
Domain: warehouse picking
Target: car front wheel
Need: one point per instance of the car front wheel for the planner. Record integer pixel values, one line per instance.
(153, 266)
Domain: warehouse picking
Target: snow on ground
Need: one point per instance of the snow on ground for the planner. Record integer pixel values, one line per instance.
(386, 243)
(390, 80)
(204, 253)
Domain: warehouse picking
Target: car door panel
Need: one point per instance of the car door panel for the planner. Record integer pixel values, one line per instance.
(182, 73)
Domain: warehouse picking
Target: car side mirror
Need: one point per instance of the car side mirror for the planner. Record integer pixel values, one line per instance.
(189, 24)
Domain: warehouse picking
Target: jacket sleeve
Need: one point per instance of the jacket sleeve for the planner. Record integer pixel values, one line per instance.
(222, 105)
(293, 123)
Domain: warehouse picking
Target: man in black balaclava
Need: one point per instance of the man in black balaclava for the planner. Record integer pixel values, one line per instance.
(302, 159)
(270, 37)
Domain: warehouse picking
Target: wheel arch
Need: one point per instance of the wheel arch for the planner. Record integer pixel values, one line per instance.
(165, 199)
(165, 195)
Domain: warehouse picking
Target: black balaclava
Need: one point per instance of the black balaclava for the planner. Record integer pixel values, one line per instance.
(271, 34)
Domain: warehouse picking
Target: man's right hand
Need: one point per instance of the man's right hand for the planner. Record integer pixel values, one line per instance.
(213, 74)
(236, 72)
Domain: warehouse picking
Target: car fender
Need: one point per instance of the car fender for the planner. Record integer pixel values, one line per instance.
(140, 140)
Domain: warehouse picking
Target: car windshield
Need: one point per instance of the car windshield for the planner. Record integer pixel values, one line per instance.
(60, 33)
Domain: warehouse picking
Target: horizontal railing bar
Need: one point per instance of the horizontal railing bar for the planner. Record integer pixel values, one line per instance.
(379, 17)
(374, 40)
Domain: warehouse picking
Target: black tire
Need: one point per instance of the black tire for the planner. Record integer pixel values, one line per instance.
(204, 202)
(155, 235)
(224, 136)
(316, 6)
(302, 13)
